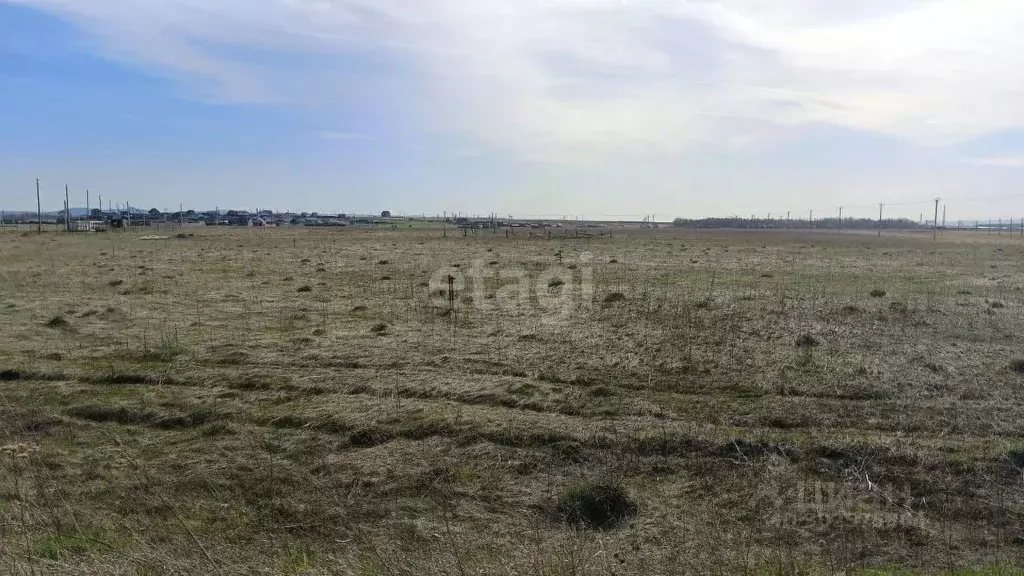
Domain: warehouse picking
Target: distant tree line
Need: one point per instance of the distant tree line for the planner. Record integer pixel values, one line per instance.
(824, 223)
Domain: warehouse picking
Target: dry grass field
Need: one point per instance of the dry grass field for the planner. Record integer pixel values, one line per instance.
(303, 401)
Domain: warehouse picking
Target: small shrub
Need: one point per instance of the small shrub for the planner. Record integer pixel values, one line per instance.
(767, 275)
(595, 505)
(878, 293)
(555, 283)
(964, 292)
(115, 283)
(182, 236)
(613, 261)
(807, 340)
(359, 308)
(850, 309)
(614, 297)
(383, 263)
(996, 304)
(379, 328)
(304, 288)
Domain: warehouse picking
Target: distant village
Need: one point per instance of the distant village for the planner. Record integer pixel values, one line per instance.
(95, 220)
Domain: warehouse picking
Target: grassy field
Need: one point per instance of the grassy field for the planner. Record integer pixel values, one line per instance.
(307, 401)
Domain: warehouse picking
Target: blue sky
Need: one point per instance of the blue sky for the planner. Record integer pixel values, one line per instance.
(600, 108)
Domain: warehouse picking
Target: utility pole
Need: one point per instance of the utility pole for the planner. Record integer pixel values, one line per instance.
(935, 227)
(880, 206)
(944, 220)
(88, 213)
(810, 220)
(39, 211)
(840, 231)
(181, 215)
(67, 209)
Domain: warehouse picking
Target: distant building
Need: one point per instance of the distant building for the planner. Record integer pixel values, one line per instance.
(88, 226)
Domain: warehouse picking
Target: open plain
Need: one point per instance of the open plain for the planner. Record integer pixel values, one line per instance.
(315, 401)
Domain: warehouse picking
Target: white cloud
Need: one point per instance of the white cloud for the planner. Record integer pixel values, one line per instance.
(1006, 162)
(569, 80)
(339, 136)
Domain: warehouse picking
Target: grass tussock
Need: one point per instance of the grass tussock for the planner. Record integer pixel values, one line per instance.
(58, 322)
(807, 340)
(614, 297)
(128, 378)
(595, 505)
(878, 293)
(132, 416)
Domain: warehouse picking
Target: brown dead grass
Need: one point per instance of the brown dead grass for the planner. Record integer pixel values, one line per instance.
(212, 420)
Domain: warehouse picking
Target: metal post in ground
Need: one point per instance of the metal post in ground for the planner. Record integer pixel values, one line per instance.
(39, 211)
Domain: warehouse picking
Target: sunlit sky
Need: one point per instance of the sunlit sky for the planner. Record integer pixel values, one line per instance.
(593, 108)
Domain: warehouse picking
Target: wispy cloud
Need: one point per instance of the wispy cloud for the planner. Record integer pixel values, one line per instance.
(1007, 161)
(577, 78)
(328, 135)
